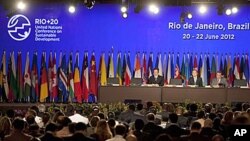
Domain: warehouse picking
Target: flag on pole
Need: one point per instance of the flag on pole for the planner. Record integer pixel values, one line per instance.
(187, 69)
(137, 66)
(191, 65)
(27, 79)
(128, 74)
(77, 83)
(203, 72)
(220, 68)
(150, 65)
(200, 65)
(242, 64)
(208, 69)
(172, 66)
(119, 68)
(230, 76)
(225, 67)
(111, 71)
(123, 69)
(13, 80)
(71, 79)
(44, 90)
(237, 67)
(246, 69)
(19, 77)
(4, 78)
(63, 80)
(213, 69)
(93, 85)
(169, 69)
(144, 69)
(85, 77)
(183, 74)
(177, 68)
(165, 68)
(103, 71)
(195, 66)
(34, 79)
(159, 64)
(54, 89)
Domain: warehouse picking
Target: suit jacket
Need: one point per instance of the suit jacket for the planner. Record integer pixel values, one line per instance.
(199, 82)
(223, 82)
(159, 80)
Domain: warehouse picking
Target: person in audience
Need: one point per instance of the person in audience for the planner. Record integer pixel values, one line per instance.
(182, 120)
(195, 79)
(219, 81)
(34, 130)
(102, 131)
(112, 124)
(167, 108)
(139, 124)
(151, 130)
(17, 133)
(63, 122)
(46, 118)
(5, 127)
(163, 137)
(217, 125)
(80, 133)
(217, 138)
(207, 130)
(194, 133)
(131, 137)
(201, 117)
(76, 115)
(10, 113)
(93, 123)
(57, 115)
(140, 110)
(101, 115)
(37, 115)
(156, 78)
(128, 116)
(50, 133)
(120, 131)
(173, 118)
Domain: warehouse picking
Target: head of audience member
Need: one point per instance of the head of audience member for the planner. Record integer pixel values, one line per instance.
(18, 124)
(217, 138)
(57, 115)
(64, 121)
(35, 108)
(131, 107)
(208, 123)
(212, 116)
(131, 137)
(193, 107)
(216, 123)
(169, 107)
(227, 118)
(34, 129)
(69, 110)
(149, 104)
(156, 72)
(72, 127)
(173, 117)
(194, 73)
(103, 130)
(201, 115)
(195, 127)
(120, 129)
(139, 107)
(46, 118)
(30, 120)
(94, 120)
(101, 115)
(95, 110)
(179, 110)
(241, 120)
(5, 125)
(30, 112)
(208, 107)
(218, 75)
(10, 113)
(111, 115)
(111, 123)
(79, 109)
(245, 106)
(42, 108)
(163, 137)
(152, 109)
(139, 124)
(80, 127)
(51, 127)
(150, 117)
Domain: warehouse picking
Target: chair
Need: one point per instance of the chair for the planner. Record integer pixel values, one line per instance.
(240, 82)
(136, 82)
(112, 81)
(175, 81)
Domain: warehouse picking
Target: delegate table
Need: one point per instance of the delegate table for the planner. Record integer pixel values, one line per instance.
(173, 94)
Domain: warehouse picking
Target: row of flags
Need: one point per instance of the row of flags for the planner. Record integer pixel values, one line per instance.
(65, 83)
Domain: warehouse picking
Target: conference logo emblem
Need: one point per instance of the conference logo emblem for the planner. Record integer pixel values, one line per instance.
(19, 27)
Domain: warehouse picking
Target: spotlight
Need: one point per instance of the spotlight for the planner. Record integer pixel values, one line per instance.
(203, 9)
(234, 10)
(124, 15)
(89, 3)
(228, 12)
(124, 9)
(189, 15)
(21, 5)
(72, 9)
(153, 8)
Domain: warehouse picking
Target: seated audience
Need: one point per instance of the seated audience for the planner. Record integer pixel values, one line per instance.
(120, 131)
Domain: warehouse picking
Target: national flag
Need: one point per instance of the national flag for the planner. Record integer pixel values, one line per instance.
(217, 63)
(85, 79)
(208, 69)
(110, 68)
(13, 79)
(128, 74)
(183, 66)
(221, 66)
(93, 85)
(191, 65)
(242, 64)
(213, 69)
(71, 79)
(103, 71)
(137, 66)
(119, 68)
(169, 69)
(5, 91)
(128, 63)
(203, 72)
(150, 65)
(63, 79)
(19, 77)
(237, 67)
(159, 64)
(27, 79)
(172, 66)
(225, 67)
(177, 68)
(230, 76)
(144, 69)
(165, 68)
(246, 69)
(44, 90)
(123, 69)
(77, 82)
(34, 79)
(187, 69)
(200, 65)
(53, 79)
(195, 66)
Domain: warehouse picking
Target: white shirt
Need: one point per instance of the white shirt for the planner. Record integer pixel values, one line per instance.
(116, 138)
(79, 118)
(195, 79)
